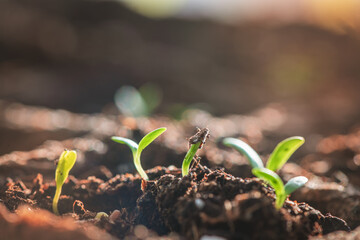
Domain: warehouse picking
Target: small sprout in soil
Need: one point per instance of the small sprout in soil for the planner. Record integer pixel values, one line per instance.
(138, 148)
(195, 142)
(275, 182)
(65, 164)
(278, 157)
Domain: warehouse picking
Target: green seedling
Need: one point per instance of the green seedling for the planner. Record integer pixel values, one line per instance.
(278, 157)
(136, 149)
(65, 164)
(189, 157)
(281, 191)
(195, 142)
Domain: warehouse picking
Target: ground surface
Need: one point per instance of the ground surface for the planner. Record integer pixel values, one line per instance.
(226, 202)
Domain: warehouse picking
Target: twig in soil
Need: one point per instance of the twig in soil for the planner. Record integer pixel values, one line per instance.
(65, 164)
(136, 149)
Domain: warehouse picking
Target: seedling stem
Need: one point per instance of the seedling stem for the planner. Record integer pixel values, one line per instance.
(189, 157)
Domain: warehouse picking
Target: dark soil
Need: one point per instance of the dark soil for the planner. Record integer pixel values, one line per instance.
(211, 201)
(207, 202)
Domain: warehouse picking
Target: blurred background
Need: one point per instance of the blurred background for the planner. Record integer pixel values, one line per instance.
(141, 57)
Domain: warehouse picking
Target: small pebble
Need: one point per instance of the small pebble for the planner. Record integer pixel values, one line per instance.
(114, 215)
(141, 231)
(199, 203)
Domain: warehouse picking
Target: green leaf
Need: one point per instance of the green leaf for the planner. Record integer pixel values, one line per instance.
(283, 152)
(242, 147)
(295, 183)
(137, 149)
(189, 157)
(145, 141)
(269, 176)
(149, 138)
(130, 143)
(275, 182)
(65, 164)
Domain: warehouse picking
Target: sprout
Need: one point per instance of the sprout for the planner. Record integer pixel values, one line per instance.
(278, 157)
(138, 148)
(195, 142)
(189, 157)
(275, 182)
(65, 164)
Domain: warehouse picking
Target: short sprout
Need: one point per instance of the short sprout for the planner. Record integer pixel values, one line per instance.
(277, 159)
(138, 148)
(65, 164)
(195, 142)
(189, 157)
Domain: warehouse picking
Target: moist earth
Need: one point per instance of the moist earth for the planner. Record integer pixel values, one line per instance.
(206, 202)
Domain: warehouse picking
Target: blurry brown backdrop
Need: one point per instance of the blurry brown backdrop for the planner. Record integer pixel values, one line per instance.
(232, 57)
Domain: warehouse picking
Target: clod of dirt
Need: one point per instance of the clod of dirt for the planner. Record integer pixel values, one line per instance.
(210, 202)
(42, 225)
(340, 235)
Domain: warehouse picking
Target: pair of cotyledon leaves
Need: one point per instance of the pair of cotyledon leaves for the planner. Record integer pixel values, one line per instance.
(137, 149)
(277, 159)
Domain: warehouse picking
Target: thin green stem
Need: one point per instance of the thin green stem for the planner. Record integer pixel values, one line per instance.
(189, 157)
(56, 200)
(139, 168)
(280, 199)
